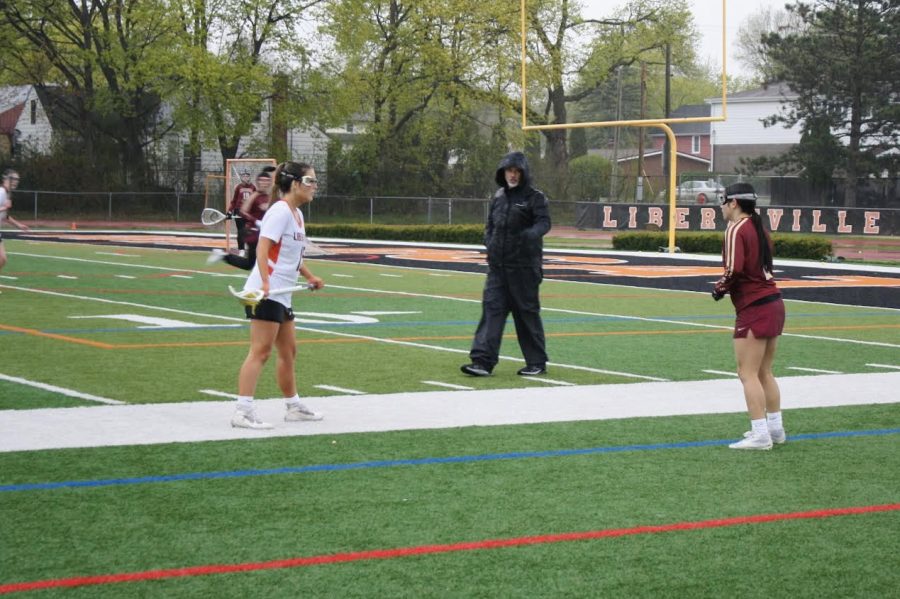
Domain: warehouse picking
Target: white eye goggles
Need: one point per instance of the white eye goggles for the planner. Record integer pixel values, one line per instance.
(739, 196)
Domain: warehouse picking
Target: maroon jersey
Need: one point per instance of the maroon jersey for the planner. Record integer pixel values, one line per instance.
(242, 192)
(745, 278)
(253, 216)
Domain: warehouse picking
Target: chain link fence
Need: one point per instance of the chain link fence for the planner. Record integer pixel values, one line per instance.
(181, 207)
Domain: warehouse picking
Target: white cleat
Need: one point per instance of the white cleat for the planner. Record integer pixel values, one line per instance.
(216, 255)
(753, 441)
(242, 419)
(301, 412)
(778, 436)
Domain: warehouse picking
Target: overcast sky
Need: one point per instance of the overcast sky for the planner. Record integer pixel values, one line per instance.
(708, 20)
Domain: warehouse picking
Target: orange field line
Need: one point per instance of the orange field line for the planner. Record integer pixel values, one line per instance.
(37, 333)
(331, 340)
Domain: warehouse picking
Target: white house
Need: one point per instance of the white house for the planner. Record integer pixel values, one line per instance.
(742, 134)
(24, 121)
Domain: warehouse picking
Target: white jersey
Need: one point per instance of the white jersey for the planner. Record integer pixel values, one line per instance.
(4, 200)
(284, 226)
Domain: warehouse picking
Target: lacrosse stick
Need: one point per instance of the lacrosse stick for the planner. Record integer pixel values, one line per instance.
(211, 216)
(252, 297)
(311, 249)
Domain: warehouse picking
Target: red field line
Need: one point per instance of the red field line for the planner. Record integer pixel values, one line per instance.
(337, 558)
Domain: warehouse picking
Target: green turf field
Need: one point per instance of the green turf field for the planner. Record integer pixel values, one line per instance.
(79, 319)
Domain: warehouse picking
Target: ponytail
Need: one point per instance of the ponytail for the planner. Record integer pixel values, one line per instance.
(276, 178)
(765, 248)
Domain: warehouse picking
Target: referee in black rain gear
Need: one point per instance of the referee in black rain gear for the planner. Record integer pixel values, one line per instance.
(518, 219)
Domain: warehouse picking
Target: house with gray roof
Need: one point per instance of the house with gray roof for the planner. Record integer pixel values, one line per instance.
(742, 134)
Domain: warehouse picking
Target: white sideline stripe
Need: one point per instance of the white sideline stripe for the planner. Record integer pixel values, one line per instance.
(116, 254)
(449, 385)
(720, 372)
(145, 424)
(339, 390)
(66, 277)
(341, 276)
(816, 370)
(181, 276)
(393, 276)
(884, 366)
(540, 379)
(9, 277)
(125, 277)
(61, 390)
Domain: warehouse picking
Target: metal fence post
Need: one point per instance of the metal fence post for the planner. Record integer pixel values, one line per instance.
(371, 211)
(35, 204)
(450, 211)
(109, 212)
(177, 206)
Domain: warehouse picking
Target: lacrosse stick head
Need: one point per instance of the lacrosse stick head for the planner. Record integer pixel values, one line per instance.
(211, 216)
(248, 297)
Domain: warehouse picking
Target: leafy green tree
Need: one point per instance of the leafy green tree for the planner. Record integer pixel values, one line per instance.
(751, 51)
(589, 178)
(238, 55)
(108, 56)
(562, 44)
(421, 74)
(844, 65)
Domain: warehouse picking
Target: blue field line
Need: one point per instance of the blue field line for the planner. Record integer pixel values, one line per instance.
(517, 455)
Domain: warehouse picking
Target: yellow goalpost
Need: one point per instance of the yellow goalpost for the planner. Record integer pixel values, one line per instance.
(659, 123)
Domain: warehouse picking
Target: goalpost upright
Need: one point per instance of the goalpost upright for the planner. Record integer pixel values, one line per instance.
(643, 123)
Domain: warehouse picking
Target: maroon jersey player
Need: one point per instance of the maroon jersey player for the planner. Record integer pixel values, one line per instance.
(242, 193)
(748, 279)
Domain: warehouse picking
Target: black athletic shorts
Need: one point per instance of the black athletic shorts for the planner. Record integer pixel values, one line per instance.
(269, 310)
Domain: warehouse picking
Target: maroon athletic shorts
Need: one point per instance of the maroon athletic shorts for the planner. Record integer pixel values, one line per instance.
(764, 317)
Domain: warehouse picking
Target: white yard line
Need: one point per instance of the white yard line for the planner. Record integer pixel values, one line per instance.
(61, 390)
(884, 366)
(816, 370)
(448, 385)
(339, 390)
(723, 372)
(215, 393)
(540, 379)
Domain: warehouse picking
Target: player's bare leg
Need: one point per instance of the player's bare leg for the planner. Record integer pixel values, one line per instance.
(262, 337)
(750, 353)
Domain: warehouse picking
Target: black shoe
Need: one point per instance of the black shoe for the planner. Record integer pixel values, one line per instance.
(476, 369)
(532, 370)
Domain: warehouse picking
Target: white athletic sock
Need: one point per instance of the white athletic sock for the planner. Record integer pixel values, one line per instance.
(759, 427)
(245, 403)
(292, 401)
(774, 421)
